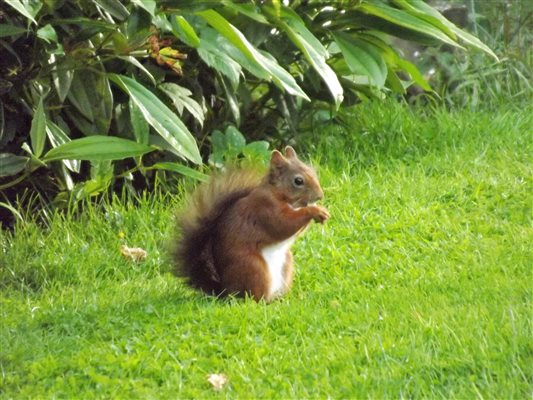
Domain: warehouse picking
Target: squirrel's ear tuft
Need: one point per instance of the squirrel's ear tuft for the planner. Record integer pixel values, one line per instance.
(290, 153)
(277, 159)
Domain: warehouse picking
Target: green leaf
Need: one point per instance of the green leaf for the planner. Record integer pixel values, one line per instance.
(281, 78)
(429, 15)
(425, 11)
(250, 10)
(231, 33)
(58, 137)
(394, 82)
(415, 74)
(258, 149)
(181, 169)
(102, 173)
(13, 210)
(287, 107)
(97, 148)
(158, 115)
(231, 98)
(90, 93)
(138, 27)
(62, 76)
(274, 72)
(184, 31)
(120, 43)
(311, 48)
(141, 129)
(362, 59)
(216, 44)
(395, 61)
(218, 141)
(132, 60)
(114, 7)
(474, 41)
(212, 51)
(161, 22)
(24, 9)
(191, 5)
(11, 30)
(406, 20)
(80, 98)
(102, 169)
(148, 5)
(99, 26)
(11, 164)
(234, 139)
(181, 97)
(47, 33)
(38, 129)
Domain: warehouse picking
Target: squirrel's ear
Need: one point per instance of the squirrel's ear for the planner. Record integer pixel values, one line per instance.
(277, 159)
(290, 153)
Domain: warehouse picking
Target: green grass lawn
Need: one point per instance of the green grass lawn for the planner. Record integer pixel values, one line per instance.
(420, 285)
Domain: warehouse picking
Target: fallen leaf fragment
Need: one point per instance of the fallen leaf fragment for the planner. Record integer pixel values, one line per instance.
(217, 380)
(135, 254)
(334, 304)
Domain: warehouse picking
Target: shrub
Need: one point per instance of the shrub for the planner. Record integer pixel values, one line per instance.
(107, 93)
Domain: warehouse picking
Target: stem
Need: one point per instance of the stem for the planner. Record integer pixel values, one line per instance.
(472, 10)
(132, 170)
(14, 182)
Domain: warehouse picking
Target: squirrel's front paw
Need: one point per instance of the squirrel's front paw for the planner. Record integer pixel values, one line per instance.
(320, 214)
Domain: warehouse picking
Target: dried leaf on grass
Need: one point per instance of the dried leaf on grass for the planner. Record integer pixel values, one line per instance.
(135, 254)
(217, 380)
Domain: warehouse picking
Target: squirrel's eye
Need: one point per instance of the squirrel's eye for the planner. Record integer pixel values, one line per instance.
(298, 181)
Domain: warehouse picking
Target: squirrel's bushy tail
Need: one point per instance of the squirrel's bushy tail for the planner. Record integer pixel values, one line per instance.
(198, 226)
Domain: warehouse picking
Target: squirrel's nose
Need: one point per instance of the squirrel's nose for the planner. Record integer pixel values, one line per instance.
(319, 195)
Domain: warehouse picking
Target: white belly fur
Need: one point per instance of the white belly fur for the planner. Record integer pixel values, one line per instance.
(275, 256)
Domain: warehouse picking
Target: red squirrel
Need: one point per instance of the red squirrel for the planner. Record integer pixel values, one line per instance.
(237, 229)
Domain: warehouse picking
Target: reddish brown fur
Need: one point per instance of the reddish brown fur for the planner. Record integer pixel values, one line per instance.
(220, 251)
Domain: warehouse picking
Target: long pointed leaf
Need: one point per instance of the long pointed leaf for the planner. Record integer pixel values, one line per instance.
(141, 129)
(158, 115)
(62, 75)
(182, 29)
(57, 137)
(425, 11)
(181, 97)
(406, 20)
(181, 169)
(148, 5)
(394, 60)
(362, 59)
(430, 15)
(10, 164)
(213, 50)
(114, 7)
(275, 72)
(11, 30)
(231, 98)
(224, 46)
(91, 95)
(38, 129)
(311, 48)
(17, 5)
(97, 148)
(141, 67)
